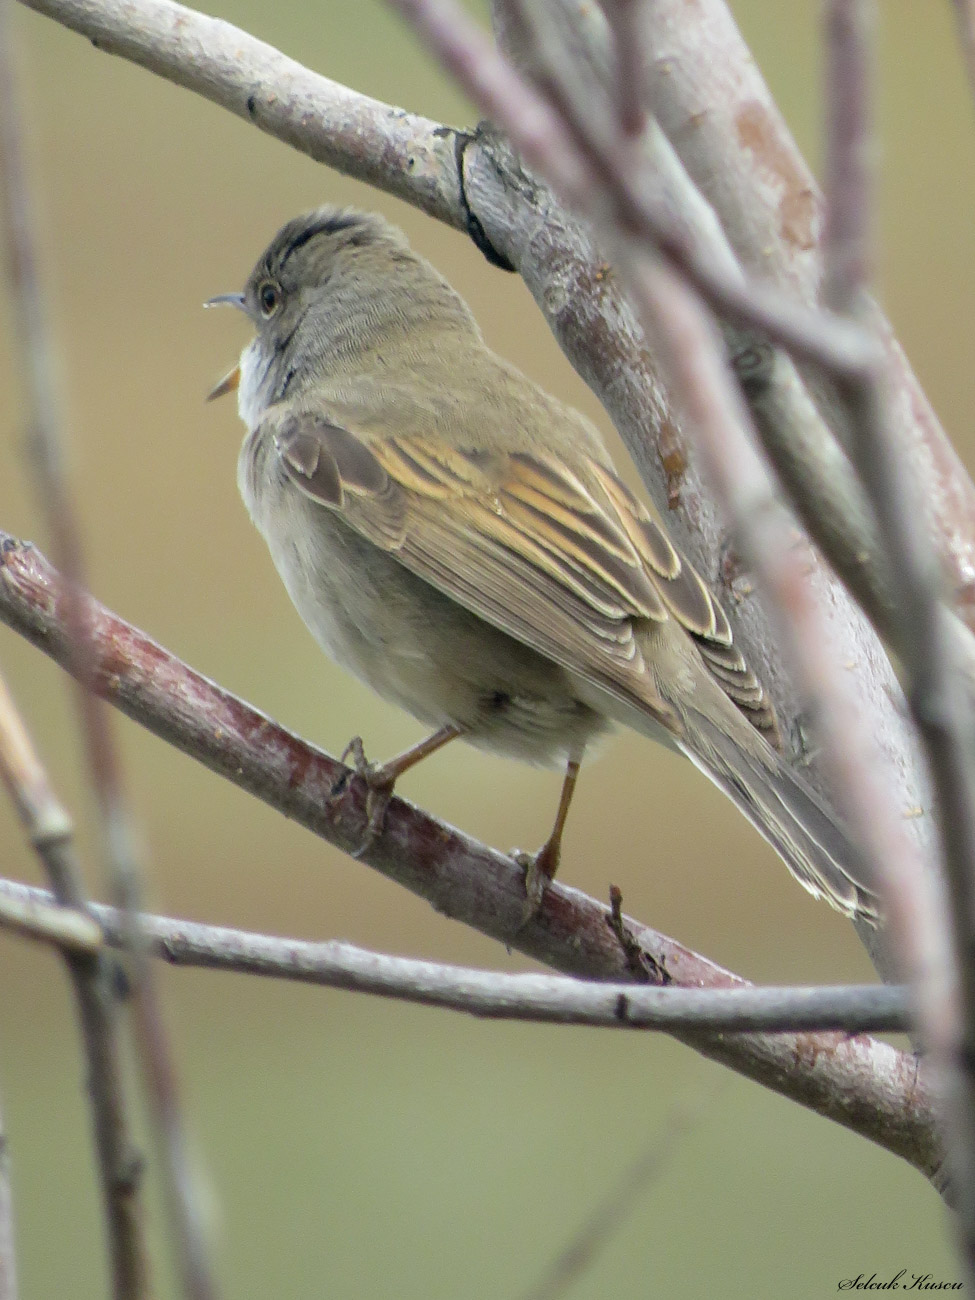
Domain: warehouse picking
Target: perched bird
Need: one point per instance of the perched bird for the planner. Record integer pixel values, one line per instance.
(459, 540)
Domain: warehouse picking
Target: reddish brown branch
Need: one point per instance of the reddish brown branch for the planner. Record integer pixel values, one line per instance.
(859, 1082)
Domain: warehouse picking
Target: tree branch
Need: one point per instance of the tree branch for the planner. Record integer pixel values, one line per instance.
(119, 1162)
(965, 17)
(941, 709)
(710, 98)
(494, 995)
(608, 347)
(395, 151)
(861, 1083)
(8, 1271)
(45, 445)
(593, 1234)
(779, 556)
(587, 176)
(483, 187)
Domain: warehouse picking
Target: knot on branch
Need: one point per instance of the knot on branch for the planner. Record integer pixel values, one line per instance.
(488, 136)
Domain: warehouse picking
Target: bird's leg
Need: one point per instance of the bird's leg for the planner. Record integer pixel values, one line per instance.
(541, 867)
(380, 778)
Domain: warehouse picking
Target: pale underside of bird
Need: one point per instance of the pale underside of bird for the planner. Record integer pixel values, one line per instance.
(459, 539)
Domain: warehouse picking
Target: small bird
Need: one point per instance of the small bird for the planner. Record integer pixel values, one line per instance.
(459, 540)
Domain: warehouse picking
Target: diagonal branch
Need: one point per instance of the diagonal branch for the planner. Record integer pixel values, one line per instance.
(861, 1083)
(404, 154)
(476, 181)
(709, 96)
(376, 143)
(941, 710)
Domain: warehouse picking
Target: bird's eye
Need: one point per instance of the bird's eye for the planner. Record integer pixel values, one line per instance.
(269, 296)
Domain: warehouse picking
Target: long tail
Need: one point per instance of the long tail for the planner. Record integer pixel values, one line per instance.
(787, 813)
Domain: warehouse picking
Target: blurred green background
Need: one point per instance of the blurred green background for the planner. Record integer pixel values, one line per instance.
(352, 1147)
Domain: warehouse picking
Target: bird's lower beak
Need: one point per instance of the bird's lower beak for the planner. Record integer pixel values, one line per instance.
(228, 384)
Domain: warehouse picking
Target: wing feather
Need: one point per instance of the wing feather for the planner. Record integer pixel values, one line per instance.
(566, 560)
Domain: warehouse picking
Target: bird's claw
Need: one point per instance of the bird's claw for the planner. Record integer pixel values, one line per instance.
(539, 869)
(379, 790)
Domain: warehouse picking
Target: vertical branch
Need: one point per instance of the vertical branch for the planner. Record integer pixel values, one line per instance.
(49, 830)
(8, 1272)
(846, 235)
(940, 707)
(965, 16)
(46, 450)
(773, 549)
(708, 94)
(626, 18)
(615, 197)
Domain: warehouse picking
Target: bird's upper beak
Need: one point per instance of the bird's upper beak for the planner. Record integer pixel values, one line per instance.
(230, 381)
(227, 299)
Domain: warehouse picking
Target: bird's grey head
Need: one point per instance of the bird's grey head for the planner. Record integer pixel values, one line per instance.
(332, 287)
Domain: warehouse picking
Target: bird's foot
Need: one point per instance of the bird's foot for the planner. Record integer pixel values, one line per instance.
(379, 789)
(539, 869)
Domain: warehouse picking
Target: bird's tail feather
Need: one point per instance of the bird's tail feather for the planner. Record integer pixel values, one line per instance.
(791, 816)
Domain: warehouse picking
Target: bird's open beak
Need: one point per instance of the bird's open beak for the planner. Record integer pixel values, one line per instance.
(228, 384)
(230, 381)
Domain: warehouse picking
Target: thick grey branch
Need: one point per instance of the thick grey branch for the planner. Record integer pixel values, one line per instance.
(399, 152)
(516, 217)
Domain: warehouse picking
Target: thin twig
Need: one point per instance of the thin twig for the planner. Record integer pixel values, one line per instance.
(490, 994)
(861, 1083)
(565, 48)
(119, 1163)
(46, 449)
(941, 708)
(626, 20)
(965, 15)
(37, 916)
(46, 822)
(618, 1204)
(846, 234)
(8, 1270)
(706, 90)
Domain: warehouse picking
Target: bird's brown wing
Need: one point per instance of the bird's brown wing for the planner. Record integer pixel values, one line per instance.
(566, 560)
